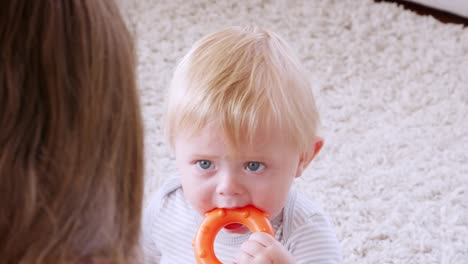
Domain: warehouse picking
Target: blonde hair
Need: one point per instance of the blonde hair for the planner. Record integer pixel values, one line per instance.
(243, 79)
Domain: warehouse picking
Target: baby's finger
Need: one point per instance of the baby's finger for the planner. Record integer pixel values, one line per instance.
(264, 239)
(244, 258)
(251, 248)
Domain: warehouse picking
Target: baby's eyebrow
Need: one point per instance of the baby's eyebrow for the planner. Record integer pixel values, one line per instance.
(260, 157)
(203, 156)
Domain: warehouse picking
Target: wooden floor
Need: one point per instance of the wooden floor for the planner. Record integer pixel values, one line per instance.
(423, 10)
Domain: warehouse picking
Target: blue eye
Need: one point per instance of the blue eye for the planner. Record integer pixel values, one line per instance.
(204, 164)
(255, 166)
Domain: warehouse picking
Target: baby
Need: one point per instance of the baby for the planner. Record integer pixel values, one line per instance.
(242, 124)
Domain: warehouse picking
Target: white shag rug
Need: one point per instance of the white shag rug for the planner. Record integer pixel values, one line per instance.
(392, 90)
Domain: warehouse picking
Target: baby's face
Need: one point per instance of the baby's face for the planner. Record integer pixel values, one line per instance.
(212, 177)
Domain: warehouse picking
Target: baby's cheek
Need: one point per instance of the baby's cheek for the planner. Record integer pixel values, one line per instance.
(204, 202)
(274, 205)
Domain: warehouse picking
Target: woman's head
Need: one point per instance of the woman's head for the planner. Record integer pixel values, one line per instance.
(71, 160)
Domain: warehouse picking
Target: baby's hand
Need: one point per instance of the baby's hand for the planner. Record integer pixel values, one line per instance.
(262, 248)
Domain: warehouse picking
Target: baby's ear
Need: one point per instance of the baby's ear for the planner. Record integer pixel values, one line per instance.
(309, 155)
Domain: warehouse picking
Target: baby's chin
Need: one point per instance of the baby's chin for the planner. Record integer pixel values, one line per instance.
(236, 228)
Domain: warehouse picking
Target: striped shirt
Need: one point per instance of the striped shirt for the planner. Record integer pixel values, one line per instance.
(169, 226)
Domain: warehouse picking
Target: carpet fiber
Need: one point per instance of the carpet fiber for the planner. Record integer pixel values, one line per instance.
(392, 91)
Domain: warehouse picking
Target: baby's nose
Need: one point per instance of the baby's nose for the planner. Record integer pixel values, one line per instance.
(229, 184)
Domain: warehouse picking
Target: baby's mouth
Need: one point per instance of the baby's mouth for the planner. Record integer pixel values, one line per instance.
(236, 228)
(233, 226)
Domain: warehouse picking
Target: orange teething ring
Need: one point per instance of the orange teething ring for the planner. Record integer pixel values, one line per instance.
(253, 218)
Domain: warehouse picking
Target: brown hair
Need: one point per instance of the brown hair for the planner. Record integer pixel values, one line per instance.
(71, 143)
